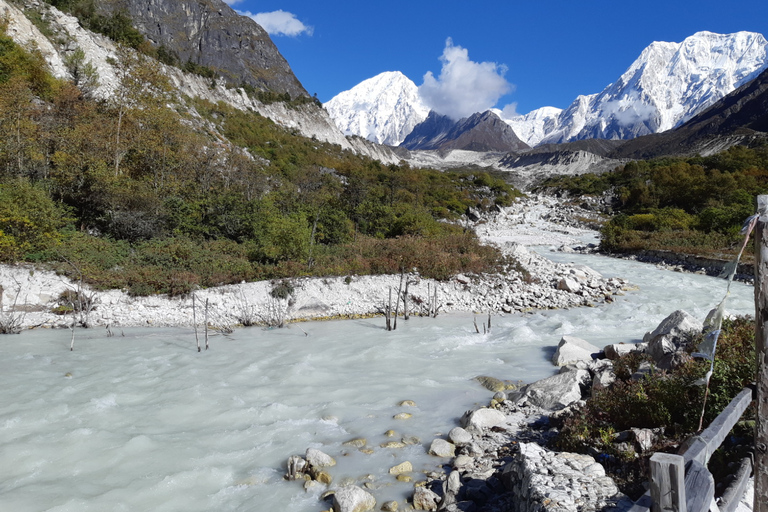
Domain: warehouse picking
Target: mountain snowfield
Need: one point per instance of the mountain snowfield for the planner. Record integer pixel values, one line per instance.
(666, 85)
(382, 109)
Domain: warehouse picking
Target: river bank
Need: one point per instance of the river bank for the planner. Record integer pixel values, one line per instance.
(37, 298)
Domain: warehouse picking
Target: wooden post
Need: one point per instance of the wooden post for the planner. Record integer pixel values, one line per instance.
(206, 324)
(761, 351)
(194, 321)
(667, 483)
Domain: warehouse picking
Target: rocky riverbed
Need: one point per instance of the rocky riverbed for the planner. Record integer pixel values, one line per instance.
(36, 298)
(497, 459)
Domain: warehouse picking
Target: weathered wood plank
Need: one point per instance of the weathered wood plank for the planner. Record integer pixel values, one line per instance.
(733, 494)
(699, 487)
(718, 430)
(667, 482)
(761, 353)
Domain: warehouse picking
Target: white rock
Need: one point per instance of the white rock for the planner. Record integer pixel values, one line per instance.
(618, 350)
(572, 349)
(318, 459)
(459, 436)
(352, 498)
(486, 418)
(556, 392)
(569, 285)
(442, 448)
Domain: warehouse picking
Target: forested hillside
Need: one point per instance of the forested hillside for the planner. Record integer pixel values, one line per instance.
(154, 192)
(685, 205)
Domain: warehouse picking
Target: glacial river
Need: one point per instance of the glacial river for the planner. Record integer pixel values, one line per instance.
(143, 422)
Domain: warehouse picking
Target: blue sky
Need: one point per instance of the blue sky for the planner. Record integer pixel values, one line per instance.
(547, 52)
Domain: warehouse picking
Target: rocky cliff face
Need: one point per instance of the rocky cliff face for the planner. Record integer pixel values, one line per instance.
(210, 33)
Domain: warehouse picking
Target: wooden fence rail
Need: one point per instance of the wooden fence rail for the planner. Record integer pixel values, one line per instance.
(682, 483)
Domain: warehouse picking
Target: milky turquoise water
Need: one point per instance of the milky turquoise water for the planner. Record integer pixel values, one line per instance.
(142, 421)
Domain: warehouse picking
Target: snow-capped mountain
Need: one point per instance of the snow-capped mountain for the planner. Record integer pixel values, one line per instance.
(382, 109)
(667, 85)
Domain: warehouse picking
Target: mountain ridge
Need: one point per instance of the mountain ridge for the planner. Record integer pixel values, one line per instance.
(483, 131)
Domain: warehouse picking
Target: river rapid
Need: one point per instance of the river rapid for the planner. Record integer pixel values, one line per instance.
(142, 421)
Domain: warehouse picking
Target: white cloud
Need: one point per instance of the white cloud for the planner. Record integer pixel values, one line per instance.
(463, 87)
(232, 2)
(509, 111)
(280, 23)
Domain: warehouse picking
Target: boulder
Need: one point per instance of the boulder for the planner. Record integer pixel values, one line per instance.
(442, 448)
(484, 418)
(352, 498)
(618, 350)
(556, 392)
(569, 284)
(403, 467)
(459, 436)
(572, 349)
(671, 333)
(317, 459)
(424, 499)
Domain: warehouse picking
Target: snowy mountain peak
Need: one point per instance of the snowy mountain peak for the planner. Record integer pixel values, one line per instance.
(382, 109)
(667, 85)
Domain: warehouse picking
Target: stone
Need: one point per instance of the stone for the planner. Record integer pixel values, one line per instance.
(671, 333)
(618, 350)
(317, 459)
(390, 506)
(569, 285)
(556, 392)
(453, 483)
(352, 498)
(403, 416)
(442, 448)
(572, 349)
(404, 478)
(410, 440)
(485, 418)
(459, 436)
(390, 433)
(424, 499)
(393, 444)
(491, 383)
(323, 477)
(462, 461)
(403, 467)
(546, 480)
(296, 467)
(358, 442)
(407, 403)
(311, 485)
(644, 439)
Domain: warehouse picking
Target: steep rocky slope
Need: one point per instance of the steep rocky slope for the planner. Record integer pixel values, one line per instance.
(68, 35)
(210, 33)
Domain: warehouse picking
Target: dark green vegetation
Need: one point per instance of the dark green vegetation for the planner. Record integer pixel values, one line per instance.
(686, 205)
(134, 194)
(668, 401)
